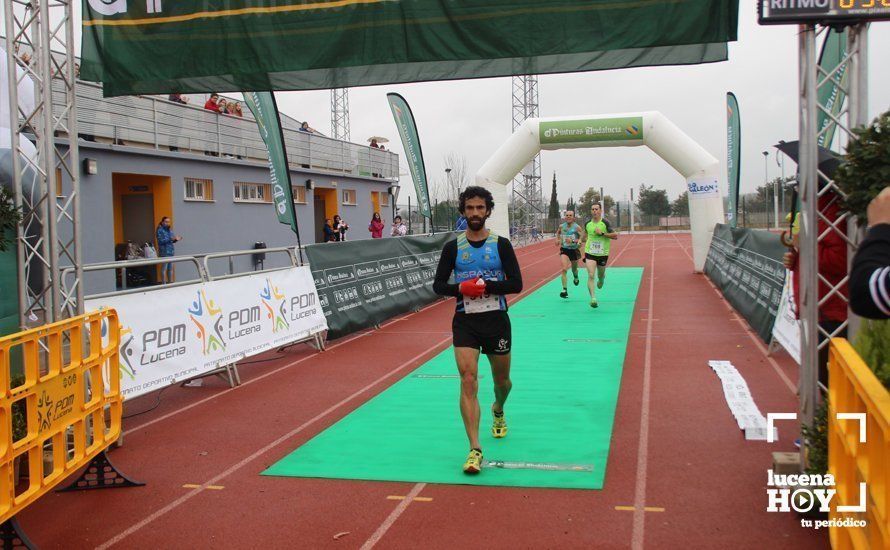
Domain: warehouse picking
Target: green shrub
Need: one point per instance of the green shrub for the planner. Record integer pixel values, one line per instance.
(866, 168)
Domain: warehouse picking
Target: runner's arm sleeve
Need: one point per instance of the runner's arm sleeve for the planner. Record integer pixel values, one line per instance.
(441, 285)
(870, 276)
(513, 283)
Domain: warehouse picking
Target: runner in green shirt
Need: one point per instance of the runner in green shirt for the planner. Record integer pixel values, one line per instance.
(568, 239)
(597, 240)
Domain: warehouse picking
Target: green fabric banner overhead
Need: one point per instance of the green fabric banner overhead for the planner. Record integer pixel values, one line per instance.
(162, 46)
(411, 143)
(733, 155)
(831, 96)
(746, 265)
(265, 111)
(363, 283)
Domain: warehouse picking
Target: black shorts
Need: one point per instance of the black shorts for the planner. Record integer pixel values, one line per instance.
(572, 253)
(489, 331)
(600, 260)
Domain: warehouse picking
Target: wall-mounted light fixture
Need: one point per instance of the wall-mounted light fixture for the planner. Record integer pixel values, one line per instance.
(90, 166)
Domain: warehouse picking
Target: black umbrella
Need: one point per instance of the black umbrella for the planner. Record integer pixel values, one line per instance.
(828, 161)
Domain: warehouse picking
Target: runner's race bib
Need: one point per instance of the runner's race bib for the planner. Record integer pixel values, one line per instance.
(596, 248)
(486, 302)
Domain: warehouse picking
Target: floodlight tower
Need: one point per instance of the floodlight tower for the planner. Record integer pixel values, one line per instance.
(527, 199)
(340, 113)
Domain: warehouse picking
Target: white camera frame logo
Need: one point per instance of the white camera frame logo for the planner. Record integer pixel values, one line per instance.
(860, 417)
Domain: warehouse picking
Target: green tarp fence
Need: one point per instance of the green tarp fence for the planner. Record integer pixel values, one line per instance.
(196, 46)
(746, 265)
(363, 283)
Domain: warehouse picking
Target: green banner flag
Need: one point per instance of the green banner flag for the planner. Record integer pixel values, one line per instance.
(411, 142)
(138, 47)
(733, 156)
(831, 96)
(262, 105)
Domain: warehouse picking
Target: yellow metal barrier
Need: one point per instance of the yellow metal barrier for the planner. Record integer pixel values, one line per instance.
(70, 399)
(853, 388)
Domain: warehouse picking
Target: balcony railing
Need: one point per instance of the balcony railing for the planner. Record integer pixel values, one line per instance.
(160, 124)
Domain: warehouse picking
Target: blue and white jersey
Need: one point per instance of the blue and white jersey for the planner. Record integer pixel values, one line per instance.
(484, 262)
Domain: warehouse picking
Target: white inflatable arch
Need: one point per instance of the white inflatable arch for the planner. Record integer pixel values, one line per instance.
(649, 128)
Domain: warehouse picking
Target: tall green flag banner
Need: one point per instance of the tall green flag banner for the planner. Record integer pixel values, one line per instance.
(265, 111)
(746, 265)
(136, 47)
(411, 143)
(733, 152)
(831, 96)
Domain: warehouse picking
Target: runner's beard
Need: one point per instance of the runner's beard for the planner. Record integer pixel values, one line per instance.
(476, 224)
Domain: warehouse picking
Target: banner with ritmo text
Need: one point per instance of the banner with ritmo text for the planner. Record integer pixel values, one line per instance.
(177, 333)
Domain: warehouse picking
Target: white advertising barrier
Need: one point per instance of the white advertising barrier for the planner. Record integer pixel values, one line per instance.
(786, 329)
(173, 334)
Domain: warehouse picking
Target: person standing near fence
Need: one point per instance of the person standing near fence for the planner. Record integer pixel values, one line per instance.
(399, 229)
(166, 239)
(376, 226)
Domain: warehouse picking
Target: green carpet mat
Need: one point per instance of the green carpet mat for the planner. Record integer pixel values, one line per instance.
(566, 372)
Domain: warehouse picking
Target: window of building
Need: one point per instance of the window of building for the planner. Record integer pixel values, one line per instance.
(198, 189)
(299, 194)
(384, 198)
(252, 192)
(349, 197)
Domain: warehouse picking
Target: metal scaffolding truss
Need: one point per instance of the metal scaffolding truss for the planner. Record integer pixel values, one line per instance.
(815, 184)
(49, 235)
(340, 113)
(527, 199)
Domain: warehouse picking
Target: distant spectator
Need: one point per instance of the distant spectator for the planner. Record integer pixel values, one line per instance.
(399, 229)
(461, 224)
(329, 234)
(166, 239)
(212, 103)
(177, 98)
(222, 106)
(376, 226)
(236, 109)
(306, 128)
(382, 148)
(340, 228)
(374, 143)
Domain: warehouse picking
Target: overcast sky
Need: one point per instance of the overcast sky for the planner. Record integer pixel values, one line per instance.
(472, 118)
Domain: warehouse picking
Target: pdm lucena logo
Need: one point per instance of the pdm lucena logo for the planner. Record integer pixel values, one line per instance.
(208, 318)
(275, 303)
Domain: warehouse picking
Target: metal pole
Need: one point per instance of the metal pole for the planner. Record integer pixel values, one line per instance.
(409, 214)
(808, 249)
(766, 185)
(631, 209)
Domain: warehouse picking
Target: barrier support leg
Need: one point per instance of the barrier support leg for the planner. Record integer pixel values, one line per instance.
(100, 474)
(13, 536)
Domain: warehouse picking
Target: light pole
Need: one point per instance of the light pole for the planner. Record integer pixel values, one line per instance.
(448, 183)
(766, 184)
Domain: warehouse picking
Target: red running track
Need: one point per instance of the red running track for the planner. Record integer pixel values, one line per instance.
(680, 474)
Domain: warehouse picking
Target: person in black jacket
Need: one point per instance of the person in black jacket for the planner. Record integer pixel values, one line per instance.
(870, 276)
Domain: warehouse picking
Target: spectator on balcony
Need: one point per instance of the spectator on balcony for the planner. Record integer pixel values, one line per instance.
(235, 109)
(374, 144)
(399, 229)
(328, 229)
(376, 226)
(340, 228)
(212, 103)
(306, 128)
(166, 238)
(177, 98)
(222, 106)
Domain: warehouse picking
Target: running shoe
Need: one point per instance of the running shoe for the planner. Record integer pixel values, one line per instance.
(600, 282)
(576, 281)
(564, 294)
(473, 465)
(499, 426)
(593, 303)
